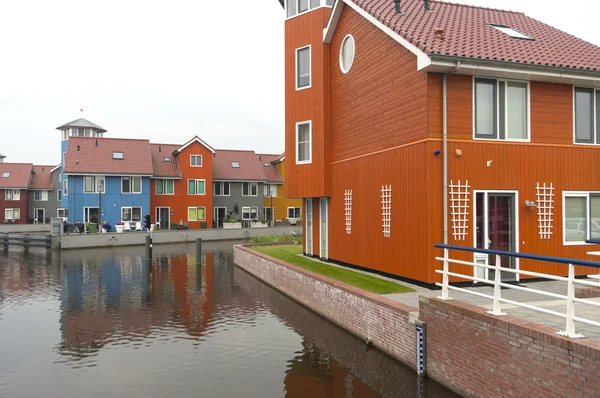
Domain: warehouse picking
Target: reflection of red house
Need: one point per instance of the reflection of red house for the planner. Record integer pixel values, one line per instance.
(181, 189)
(392, 108)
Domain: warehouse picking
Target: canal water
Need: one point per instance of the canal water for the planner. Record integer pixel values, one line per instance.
(101, 323)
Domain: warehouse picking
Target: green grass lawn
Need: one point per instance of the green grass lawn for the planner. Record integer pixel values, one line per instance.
(290, 254)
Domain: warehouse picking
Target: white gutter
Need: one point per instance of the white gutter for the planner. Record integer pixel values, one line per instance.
(445, 146)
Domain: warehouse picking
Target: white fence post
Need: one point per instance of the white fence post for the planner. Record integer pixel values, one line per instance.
(445, 295)
(570, 326)
(496, 309)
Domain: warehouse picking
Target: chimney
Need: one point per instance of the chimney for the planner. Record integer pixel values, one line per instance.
(78, 148)
(96, 143)
(427, 6)
(260, 157)
(159, 148)
(397, 7)
(2, 158)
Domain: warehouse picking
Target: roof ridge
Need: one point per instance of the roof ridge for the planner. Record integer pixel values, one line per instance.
(152, 143)
(16, 163)
(110, 139)
(478, 7)
(235, 150)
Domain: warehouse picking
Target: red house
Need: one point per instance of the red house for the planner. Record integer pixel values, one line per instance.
(14, 200)
(411, 123)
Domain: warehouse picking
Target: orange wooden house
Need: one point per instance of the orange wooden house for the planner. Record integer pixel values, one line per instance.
(181, 189)
(411, 123)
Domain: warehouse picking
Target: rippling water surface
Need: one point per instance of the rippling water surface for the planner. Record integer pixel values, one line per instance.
(101, 323)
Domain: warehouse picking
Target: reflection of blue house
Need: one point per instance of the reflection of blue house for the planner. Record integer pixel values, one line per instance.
(107, 175)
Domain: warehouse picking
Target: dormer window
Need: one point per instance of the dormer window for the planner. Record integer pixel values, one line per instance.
(511, 32)
(118, 155)
(196, 160)
(235, 165)
(167, 159)
(6, 175)
(296, 7)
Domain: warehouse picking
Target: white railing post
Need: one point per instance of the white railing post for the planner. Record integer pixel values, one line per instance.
(445, 295)
(496, 309)
(570, 326)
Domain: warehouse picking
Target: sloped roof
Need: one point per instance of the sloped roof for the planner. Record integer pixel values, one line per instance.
(464, 31)
(81, 123)
(271, 173)
(20, 175)
(162, 168)
(250, 168)
(85, 157)
(41, 177)
(198, 140)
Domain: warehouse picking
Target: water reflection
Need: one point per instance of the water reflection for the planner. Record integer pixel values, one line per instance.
(106, 323)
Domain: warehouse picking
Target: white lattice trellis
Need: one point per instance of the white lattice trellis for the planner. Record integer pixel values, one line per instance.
(348, 209)
(386, 209)
(459, 205)
(545, 207)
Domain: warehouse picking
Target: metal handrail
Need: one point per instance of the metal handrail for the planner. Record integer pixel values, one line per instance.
(498, 284)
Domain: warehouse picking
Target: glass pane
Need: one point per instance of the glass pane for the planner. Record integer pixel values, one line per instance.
(137, 184)
(217, 188)
(290, 212)
(254, 189)
(136, 214)
(597, 117)
(125, 185)
(485, 107)
(160, 187)
(245, 188)
(314, 3)
(329, 2)
(192, 214)
(303, 67)
(302, 5)
(303, 135)
(192, 187)
(583, 115)
(291, 8)
(126, 216)
(323, 228)
(200, 187)
(225, 188)
(170, 186)
(575, 219)
(517, 111)
(347, 53)
(595, 216)
(200, 212)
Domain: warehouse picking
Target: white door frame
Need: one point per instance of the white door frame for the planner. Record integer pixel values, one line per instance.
(35, 221)
(326, 228)
(157, 220)
(309, 231)
(216, 213)
(486, 193)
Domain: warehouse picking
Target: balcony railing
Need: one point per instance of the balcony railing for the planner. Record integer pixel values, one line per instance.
(497, 283)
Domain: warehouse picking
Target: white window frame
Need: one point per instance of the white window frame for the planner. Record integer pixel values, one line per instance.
(66, 187)
(58, 195)
(64, 215)
(272, 213)
(11, 195)
(595, 116)
(222, 187)
(250, 185)
(116, 156)
(309, 68)
(164, 182)
(43, 196)
(196, 207)
(196, 187)
(588, 215)
(96, 180)
(346, 70)
(322, 3)
(132, 185)
(192, 157)
(497, 110)
(249, 212)
(88, 213)
(6, 174)
(131, 212)
(309, 161)
(12, 214)
(294, 208)
(269, 189)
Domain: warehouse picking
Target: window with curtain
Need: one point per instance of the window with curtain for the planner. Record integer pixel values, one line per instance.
(164, 187)
(196, 214)
(303, 140)
(196, 187)
(249, 189)
(587, 116)
(501, 110)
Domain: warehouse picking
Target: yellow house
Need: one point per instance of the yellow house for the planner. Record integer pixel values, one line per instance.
(276, 203)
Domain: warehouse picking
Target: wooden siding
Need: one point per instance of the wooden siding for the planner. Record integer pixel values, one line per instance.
(517, 167)
(380, 103)
(22, 204)
(307, 180)
(180, 200)
(404, 253)
(282, 202)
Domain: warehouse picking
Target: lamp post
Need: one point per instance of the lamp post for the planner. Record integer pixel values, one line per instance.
(271, 195)
(100, 189)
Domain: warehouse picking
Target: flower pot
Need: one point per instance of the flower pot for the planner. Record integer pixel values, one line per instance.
(120, 228)
(258, 225)
(232, 225)
(104, 230)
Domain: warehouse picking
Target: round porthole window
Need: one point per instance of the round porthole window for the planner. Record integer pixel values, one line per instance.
(347, 54)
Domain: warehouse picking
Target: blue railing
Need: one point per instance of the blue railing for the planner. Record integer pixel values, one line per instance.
(498, 284)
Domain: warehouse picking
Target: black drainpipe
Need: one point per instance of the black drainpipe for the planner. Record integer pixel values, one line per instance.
(397, 7)
(427, 6)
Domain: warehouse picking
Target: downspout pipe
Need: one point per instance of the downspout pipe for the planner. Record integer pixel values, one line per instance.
(445, 145)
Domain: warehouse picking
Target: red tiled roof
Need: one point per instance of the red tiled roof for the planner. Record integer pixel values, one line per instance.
(271, 173)
(466, 33)
(20, 174)
(42, 177)
(137, 156)
(162, 168)
(250, 168)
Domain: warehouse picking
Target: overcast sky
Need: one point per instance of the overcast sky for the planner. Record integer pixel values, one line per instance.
(166, 71)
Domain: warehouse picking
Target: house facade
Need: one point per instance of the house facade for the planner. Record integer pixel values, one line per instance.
(238, 192)
(403, 135)
(43, 203)
(106, 179)
(278, 206)
(15, 179)
(181, 187)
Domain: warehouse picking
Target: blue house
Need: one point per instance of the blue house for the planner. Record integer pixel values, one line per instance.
(104, 179)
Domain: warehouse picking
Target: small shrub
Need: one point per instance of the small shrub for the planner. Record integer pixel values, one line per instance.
(276, 239)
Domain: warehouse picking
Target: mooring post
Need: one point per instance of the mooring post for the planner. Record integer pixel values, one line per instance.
(198, 251)
(148, 248)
